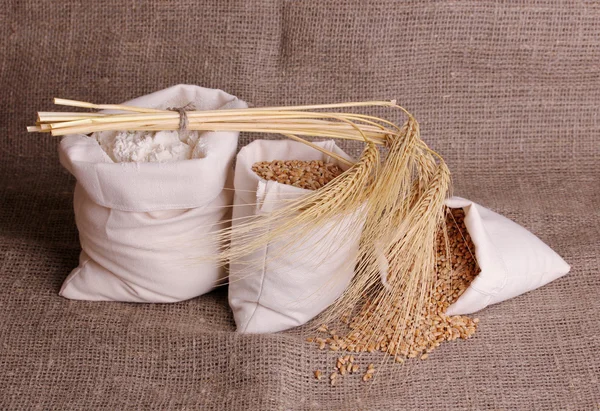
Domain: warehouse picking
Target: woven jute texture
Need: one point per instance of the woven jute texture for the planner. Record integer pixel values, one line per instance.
(508, 92)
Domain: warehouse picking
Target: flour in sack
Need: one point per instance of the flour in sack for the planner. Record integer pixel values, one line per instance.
(147, 205)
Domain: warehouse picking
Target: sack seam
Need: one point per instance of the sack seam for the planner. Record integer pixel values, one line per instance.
(262, 283)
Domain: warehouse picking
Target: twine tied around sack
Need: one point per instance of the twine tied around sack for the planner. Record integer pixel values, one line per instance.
(183, 117)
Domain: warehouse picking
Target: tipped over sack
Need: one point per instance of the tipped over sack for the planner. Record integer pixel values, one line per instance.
(289, 281)
(145, 227)
(512, 260)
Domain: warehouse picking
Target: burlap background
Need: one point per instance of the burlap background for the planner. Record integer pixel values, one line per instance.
(509, 92)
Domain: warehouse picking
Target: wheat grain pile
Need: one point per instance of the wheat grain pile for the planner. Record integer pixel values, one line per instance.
(310, 175)
(456, 268)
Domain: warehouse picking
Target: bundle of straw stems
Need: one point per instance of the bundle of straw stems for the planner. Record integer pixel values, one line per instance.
(399, 198)
(291, 122)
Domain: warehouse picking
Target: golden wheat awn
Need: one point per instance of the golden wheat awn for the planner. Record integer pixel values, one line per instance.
(400, 197)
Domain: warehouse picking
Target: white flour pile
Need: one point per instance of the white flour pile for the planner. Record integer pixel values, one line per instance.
(145, 146)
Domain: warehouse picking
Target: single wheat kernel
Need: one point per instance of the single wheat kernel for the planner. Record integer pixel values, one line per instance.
(318, 374)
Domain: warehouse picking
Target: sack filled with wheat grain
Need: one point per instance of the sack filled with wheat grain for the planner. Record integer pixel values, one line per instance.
(289, 281)
(512, 260)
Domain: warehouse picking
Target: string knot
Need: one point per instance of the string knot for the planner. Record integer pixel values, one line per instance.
(183, 117)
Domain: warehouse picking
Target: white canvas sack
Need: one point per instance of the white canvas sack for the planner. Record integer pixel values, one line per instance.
(512, 260)
(144, 226)
(286, 289)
